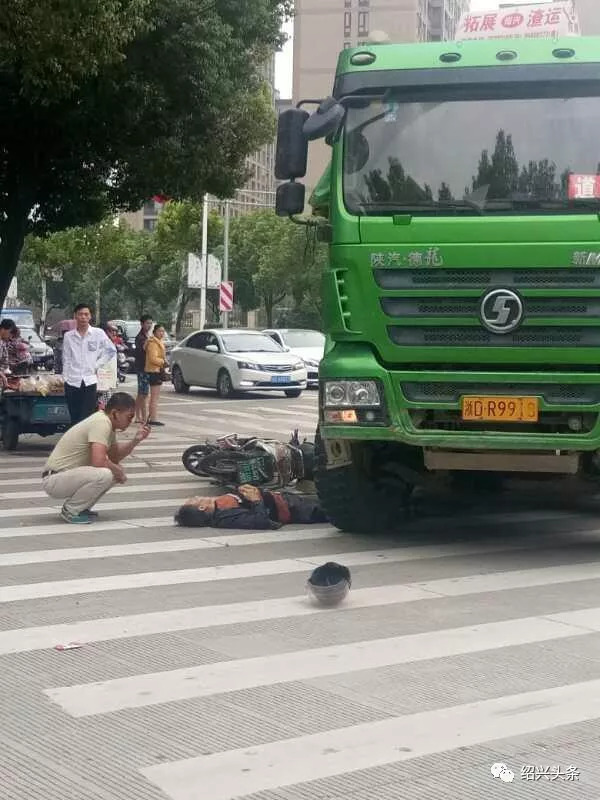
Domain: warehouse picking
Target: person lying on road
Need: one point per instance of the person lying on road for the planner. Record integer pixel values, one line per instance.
(249, 508)
(85, 463)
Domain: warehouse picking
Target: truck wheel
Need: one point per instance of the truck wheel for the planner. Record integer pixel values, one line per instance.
(10, 434)
(367, 495)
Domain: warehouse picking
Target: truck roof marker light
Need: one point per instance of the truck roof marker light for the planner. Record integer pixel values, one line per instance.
(506, 55)
(362, 59)
(563, 52)
(450, 58)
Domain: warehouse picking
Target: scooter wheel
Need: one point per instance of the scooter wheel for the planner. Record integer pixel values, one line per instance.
(193, 457)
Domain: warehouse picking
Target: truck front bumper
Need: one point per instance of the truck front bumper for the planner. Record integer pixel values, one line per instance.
(398, 418)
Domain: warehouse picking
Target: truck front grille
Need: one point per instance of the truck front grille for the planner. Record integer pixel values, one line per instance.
(553, 394)
(402, 307)
(478, 337)
(435, 320)
(511, 278)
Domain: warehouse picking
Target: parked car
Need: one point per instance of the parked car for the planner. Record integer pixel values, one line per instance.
(309, 345)
(236, 360)
(41, 352)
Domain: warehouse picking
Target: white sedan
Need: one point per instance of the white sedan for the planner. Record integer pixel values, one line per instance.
(236, 360)
(309, 345)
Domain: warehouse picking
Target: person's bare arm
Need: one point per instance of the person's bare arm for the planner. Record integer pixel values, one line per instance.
(100, 457)
(121, 450)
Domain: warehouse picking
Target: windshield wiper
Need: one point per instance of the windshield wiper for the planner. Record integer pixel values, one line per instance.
(400, 208)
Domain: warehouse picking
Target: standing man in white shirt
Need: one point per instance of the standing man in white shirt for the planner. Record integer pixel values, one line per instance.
(85, 350)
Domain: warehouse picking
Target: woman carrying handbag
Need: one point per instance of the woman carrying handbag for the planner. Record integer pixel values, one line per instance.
(156, 369)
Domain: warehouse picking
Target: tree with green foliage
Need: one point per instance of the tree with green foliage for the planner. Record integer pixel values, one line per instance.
(107, 103)
(271, 258)
(500, 173)
(105, 265)
(179, 232)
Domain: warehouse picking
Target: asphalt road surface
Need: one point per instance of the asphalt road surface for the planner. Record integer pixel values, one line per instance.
(205, 673)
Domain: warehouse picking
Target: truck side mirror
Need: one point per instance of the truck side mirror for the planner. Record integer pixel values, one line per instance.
(325, 121)
(290, 199)
(292, 145)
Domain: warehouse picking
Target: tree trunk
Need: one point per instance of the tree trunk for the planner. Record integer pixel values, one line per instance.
(269, 303)
(12, 237)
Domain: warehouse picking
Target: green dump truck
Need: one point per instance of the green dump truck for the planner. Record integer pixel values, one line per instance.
(462, 297)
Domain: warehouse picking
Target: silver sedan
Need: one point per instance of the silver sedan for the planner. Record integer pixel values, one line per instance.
(236, 360)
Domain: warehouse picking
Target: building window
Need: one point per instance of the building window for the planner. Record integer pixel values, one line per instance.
(347, 45)
(347, 3)
(363, 3)
(149, 224)
(363, 23)
(347, 23)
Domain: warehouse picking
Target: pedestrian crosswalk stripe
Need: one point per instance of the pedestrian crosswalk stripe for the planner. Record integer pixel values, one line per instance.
(125, 526)
(226, 572)
(149, 689)
(50, 510)
(249, 770)
(135, 462)
(151, 487)
(181, 619)
(135, 472)
(97, 630)
(169, 546)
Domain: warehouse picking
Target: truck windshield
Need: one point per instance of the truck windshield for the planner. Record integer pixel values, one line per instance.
(517, 155)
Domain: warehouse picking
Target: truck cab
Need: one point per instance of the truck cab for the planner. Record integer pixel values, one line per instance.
(462, 294)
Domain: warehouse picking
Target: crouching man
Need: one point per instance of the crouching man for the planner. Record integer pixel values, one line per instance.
(85, 463)
(249, 508)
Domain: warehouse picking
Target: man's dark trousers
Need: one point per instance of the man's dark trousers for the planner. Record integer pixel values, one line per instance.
(82, 401)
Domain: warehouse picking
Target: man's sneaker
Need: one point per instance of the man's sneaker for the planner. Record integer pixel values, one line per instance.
(82, 518)
(91, 514)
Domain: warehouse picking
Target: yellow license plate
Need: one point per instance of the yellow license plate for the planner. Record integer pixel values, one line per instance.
(500, 409)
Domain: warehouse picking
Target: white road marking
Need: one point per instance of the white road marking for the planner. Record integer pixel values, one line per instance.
(136, 691)
(24, 639)
(109, 583)
(239, 773)
(168, 546)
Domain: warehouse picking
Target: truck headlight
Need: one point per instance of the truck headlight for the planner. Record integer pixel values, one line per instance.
(355, 394)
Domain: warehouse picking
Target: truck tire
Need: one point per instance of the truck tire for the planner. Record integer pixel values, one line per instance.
(360, 497)
(10, 434)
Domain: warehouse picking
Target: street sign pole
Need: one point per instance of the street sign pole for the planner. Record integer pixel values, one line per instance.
(226, 258)
(204, 262)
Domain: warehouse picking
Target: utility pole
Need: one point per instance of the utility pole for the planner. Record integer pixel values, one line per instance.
(44, 304)
(204, 262)
(226, 258)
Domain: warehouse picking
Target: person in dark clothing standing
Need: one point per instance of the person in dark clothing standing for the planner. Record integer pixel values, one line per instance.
(141, 401)
(85, 350)
(250, 508)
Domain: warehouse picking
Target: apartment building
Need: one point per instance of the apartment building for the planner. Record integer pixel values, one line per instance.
(324, 27)
(588, 12)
